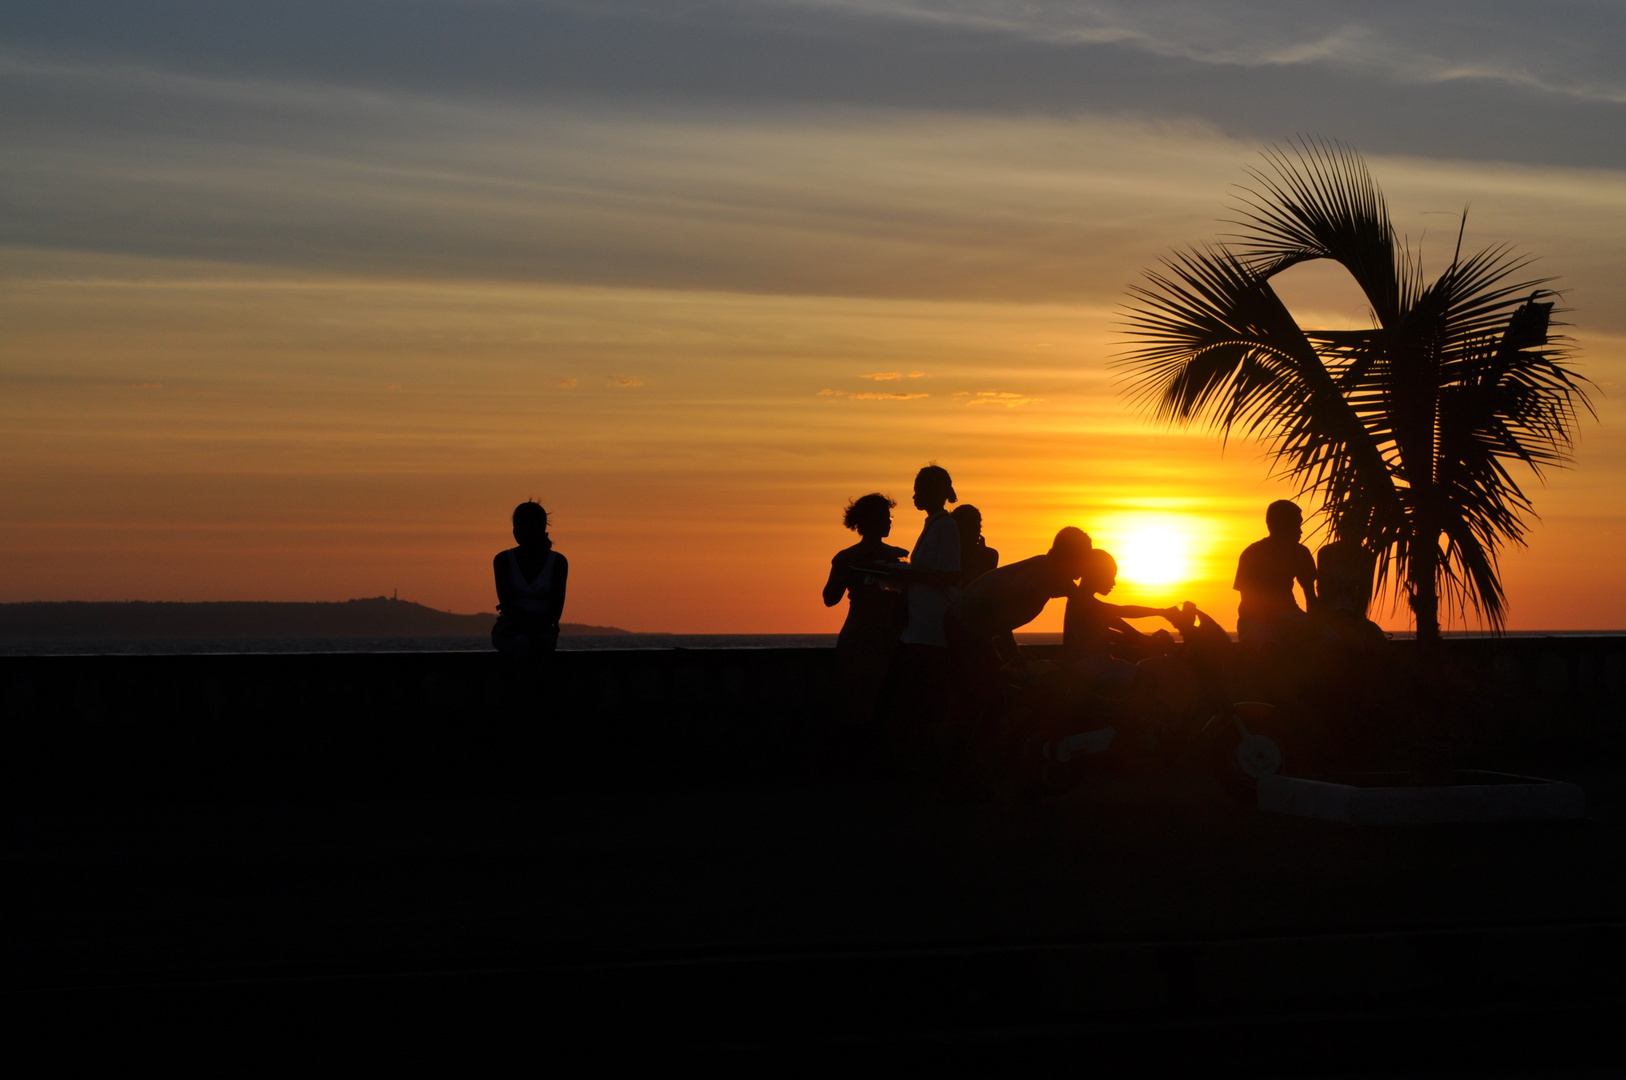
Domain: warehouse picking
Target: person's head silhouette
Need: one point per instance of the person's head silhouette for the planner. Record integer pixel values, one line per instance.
(1284, 520)
(531, 524)
(1099, 571)
(933, 488)
(870, 516)
(1071, 551)
(968, 519)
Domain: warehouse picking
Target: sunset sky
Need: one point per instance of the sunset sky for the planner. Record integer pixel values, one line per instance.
(299, 299)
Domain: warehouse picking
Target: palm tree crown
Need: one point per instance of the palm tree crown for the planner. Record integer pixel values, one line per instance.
(1405, 431)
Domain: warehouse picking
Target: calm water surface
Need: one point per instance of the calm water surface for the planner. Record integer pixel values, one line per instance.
(482, 643)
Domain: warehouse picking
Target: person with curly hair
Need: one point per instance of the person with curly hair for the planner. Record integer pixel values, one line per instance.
(870, 633)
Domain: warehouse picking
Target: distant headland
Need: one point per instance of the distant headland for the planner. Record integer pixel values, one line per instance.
(379, 616)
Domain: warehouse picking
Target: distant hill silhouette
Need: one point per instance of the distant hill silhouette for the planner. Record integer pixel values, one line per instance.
(374, 617)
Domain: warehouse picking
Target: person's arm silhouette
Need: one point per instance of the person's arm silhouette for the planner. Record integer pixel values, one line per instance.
(836, 587)
(1136, 611)
(561, 572)
(1117, 613)
(1305, 573)
(499, 568)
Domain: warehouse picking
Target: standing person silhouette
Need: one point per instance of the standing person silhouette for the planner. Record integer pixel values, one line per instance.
(1267, 613)
(933, 578)
(976, 557)
(870, 635)
(981, 634)
(530, 587)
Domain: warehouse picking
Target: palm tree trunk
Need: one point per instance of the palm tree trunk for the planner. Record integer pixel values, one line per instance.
(1432, 763)
(1424, 570)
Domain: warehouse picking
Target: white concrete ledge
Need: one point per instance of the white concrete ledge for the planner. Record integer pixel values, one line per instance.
(1370, 799)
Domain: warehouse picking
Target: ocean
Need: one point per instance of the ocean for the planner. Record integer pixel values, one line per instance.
(461, 643)
(482, 643)
(179, 646)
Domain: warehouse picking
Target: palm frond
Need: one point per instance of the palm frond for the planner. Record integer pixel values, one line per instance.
(1316, 200)
(1215, 344)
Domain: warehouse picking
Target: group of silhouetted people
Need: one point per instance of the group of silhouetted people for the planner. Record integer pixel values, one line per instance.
(930, 632)
(927, 638)
(930, 629)
(1336, 582)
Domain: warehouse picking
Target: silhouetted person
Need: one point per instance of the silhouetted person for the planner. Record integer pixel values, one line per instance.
(980, 629)
(933, 581)
(870, 635)
(934, 563)
(1092, 629)
(1343, 586)
(530, 587)
(1195, 676)
(980, 626)
(1268, 614)
(976, 557)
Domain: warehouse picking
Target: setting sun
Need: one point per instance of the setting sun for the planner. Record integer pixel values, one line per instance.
(1151, 549)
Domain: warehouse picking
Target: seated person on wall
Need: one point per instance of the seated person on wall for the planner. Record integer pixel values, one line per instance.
(1093, 629)
(530, 587)
(1267, 613)
(1343, 587)
(980, 626)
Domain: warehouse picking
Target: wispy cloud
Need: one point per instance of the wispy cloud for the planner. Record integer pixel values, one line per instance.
(146, 386)
(1489, 40)
(566, 384)
(999, 397)
(869, 396)
(975, 206)
(624, 380)
(886, 376)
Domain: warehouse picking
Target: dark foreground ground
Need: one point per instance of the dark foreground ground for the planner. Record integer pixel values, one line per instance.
(1139, 925)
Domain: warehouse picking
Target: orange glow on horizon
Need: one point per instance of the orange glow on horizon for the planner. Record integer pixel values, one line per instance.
(329, 440)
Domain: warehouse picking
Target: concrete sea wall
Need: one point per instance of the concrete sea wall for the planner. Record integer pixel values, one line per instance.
(397, 723)
(234, 726)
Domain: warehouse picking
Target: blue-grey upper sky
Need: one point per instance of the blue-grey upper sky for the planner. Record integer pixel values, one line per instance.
(1479, 80)
(868, 147)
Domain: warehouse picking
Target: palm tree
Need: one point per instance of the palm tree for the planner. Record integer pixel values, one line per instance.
(1406, 431)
